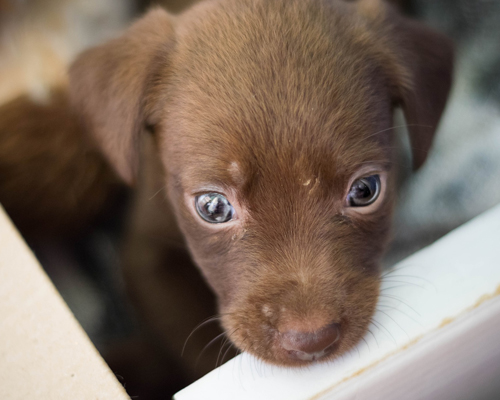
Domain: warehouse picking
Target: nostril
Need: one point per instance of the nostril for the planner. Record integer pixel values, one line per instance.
(310, 345)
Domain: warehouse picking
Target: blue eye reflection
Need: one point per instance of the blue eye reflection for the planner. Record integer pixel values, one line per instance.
(364, 191)
(214, 208)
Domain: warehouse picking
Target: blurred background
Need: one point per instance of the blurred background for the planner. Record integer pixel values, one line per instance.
(81, 252)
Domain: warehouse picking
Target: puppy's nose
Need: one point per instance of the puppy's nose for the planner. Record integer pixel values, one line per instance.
(310, 346)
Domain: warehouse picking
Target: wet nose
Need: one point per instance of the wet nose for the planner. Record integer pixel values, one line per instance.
(310, 346)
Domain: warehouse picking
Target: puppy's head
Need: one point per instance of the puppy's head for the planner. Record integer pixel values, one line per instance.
(273, 121)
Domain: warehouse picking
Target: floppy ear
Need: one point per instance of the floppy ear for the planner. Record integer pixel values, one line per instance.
(420, 70)
(428, 56)
(109, 86)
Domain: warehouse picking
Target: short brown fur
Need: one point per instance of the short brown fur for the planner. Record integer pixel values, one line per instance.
(53, 181)
(299, 95)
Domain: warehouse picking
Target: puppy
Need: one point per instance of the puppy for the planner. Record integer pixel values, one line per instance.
(272, 138)
(52, 181)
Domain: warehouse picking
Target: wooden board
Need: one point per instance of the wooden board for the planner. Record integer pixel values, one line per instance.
(44, 352)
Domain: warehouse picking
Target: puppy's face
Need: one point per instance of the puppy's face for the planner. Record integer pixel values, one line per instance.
(274, 125)
(289, 234)
(279, 169)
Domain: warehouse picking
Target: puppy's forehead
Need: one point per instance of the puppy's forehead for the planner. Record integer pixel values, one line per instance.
(275, 83)
(298, 53)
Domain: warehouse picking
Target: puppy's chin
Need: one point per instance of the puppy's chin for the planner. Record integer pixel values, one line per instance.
(282, 335)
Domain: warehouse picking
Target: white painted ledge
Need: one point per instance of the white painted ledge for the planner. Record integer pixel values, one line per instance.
(436, 335)
(44, 352)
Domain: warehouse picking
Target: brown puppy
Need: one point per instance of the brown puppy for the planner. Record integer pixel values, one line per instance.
(52, 181)
(273, 124)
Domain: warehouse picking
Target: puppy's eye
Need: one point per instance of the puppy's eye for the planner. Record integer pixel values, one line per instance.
(364, 191)
(214, 208)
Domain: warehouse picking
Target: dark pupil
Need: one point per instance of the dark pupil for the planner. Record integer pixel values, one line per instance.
(364, 191)
(214, 208)
(360, 190)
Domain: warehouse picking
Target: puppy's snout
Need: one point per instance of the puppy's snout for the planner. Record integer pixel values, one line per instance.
(310, 346)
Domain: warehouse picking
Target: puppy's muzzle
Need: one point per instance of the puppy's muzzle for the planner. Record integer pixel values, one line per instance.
(310, 346)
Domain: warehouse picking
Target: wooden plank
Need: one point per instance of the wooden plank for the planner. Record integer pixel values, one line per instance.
(44, 352)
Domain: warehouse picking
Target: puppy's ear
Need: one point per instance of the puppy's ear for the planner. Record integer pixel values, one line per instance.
(110, 85)
(420, 62)
(428, 56)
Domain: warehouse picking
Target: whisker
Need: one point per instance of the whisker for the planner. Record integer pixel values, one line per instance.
(390, 129)
(223, 343)
(397, 286)
(367, 345)
(393, 320)
(226, 340)
(208, 345)
(392, 270)
(225, 353)
(357, 349)
(201, 324)
(157, 193)
(401, 301)
(378, 325)
(387, 162)
(402, 312)
(401, 126)
(414, 277)
(405, 282)
(376, 341)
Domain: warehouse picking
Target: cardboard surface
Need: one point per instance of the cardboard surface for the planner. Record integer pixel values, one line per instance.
(434, 335)
(44, 353)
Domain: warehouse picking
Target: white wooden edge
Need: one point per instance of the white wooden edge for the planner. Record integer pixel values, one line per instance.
(435, 335)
